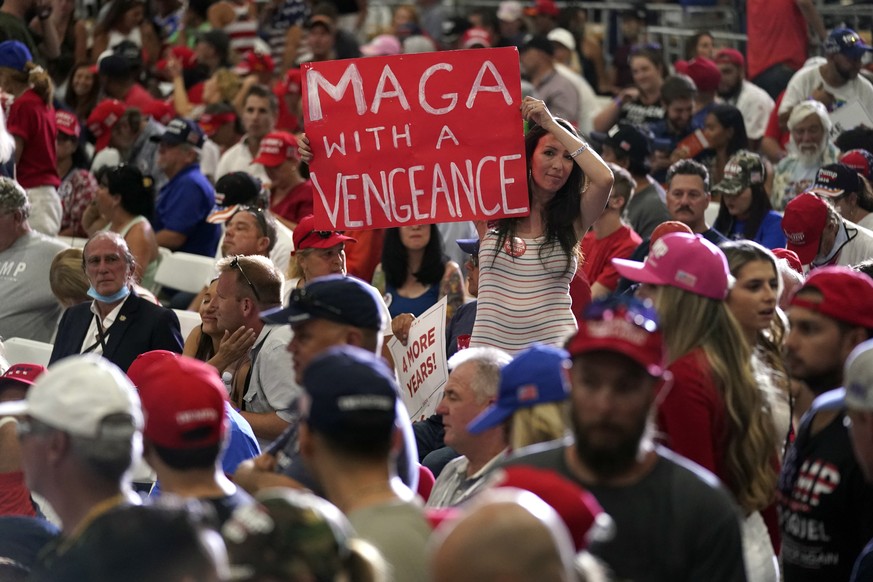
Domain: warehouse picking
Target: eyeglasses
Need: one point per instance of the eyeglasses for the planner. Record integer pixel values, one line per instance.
(259, 215)
(306, 299)
(234, 264)
(322, 234)
(631, 309)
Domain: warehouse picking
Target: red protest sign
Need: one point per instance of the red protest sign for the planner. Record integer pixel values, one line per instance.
(415, 139)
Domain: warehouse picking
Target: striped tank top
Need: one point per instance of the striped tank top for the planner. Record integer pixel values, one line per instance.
(243, 31)
(524, 298)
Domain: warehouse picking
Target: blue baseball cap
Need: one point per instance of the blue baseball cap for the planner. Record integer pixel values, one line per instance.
(352, 394)
(181, 131)
(847, 42)
(536, 376)
(469, 245)
(14, 55)
(337, 298)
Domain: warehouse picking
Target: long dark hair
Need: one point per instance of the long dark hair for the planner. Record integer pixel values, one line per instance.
(759, 208)
(81, 106)
(395, 259)
(730, 117)
(136, 190)
(561, 211)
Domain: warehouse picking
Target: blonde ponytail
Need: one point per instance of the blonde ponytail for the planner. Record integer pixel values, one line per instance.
(39, 79)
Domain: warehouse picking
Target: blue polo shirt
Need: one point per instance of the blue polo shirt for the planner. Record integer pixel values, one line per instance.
(183, 205)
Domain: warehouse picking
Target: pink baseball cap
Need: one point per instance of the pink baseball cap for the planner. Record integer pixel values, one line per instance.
(689, 262)
(384, 45)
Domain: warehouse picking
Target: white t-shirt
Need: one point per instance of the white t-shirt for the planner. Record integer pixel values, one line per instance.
(805, 81)
(238, 158)
(755, 105)
(588, 104)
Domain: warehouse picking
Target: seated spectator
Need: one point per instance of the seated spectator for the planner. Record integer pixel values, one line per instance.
(221, 124)
(835, 83)
(533, 398)
(78, 185)
(629, 147)
(414, 273)
(28, 309)
(346, 440)
(809, 149)
(70, 284)
(699, 45)
(725, 132)
(504, 534)
(609, 238)
(126, 201)
(860, 160)
(119, 79)
(745, 211)
(820, 236)
(290, 191)
(221, 87)
(117, 324)
(83, 90)
(849, 192)
(126, 20)
(752, 101)
(688, 197)
(460, 327)
(260, 109)
(472, 387)
(677, 95)
(276, 550)
(248, 285)
(186, 432)
(565, 49)
(316, 254)
(706, 77)
(187, 199)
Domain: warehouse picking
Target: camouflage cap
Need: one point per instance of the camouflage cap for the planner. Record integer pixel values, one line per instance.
(12, 196)
(743, 169)
(290, 535)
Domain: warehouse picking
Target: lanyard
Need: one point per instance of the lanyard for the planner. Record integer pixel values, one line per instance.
(101, 337)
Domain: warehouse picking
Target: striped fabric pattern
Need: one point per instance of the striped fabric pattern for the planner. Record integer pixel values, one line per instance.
(243, 32)
(522, 300)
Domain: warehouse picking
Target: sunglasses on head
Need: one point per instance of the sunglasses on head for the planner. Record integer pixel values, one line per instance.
(322, 234)
(234, 264)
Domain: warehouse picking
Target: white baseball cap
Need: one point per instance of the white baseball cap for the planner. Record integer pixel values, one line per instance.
(509, 10)
(564, 37)
(76, 394)
(858, 377)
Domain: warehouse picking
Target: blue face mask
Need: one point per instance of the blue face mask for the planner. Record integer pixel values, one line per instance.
(117, 296)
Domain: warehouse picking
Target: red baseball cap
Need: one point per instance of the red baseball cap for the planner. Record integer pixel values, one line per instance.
(183, 400)
(578, 508)
(623, 325)
(160, 111)
(277, 147)
(255, 62)
(103, 118)
(294, 82)
(306, 237)
(476, 36)
(859, 160)
(791, 258)
(67, 123)
(731, 57)
(212, 122)
(25, 374)
(842, 290)
(702, 71)
(547, 7)
(804, 221)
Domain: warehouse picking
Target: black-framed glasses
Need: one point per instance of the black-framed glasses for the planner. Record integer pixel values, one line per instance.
(306, 299)
(628, 308)
(234, 264)
(322, 234)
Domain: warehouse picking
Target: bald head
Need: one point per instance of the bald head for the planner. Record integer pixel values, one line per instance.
(506, 535)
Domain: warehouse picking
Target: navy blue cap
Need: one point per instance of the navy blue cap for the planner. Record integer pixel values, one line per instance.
(350, 389)
(22, 539)
(635, 142)
(847, 42)
(113, 65)
(337, 298)
(535, 376)
(14, 55)
(469, 245)
(182, 130)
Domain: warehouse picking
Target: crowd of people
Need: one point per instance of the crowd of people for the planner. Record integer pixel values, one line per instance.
(663, 371)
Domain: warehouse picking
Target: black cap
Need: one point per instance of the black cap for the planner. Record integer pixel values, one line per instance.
(539, 42)
(114, 65)
(180, 131)
(627, 138)
(237, 188)
(131, 52)
(337, 298)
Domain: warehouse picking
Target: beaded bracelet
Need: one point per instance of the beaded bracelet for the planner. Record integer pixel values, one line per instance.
(581, 149)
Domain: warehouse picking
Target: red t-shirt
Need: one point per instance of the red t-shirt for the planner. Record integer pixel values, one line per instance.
(692, 418)
(580, 294)
(599, 253)
(363, 256)
(296, 204)
(776, 34)
(140, 98)
(33, 122)
(287, 121)
(773, 130)
(14, 495)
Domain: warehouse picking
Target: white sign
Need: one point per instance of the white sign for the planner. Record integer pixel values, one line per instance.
(421, 363)
(849, 116)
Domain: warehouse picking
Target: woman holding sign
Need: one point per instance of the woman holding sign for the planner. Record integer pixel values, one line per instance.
(526, 264)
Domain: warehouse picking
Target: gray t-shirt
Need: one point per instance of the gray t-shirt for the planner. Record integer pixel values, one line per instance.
(400, 532)
(28, 309)
(676, 523)
(271, 387)
(646, 210)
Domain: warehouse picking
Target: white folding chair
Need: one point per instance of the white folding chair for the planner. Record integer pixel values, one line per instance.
(188, 320)
(184, 271)
(24, 351)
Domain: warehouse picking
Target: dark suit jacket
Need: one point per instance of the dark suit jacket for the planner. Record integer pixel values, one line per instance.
(141, 326)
